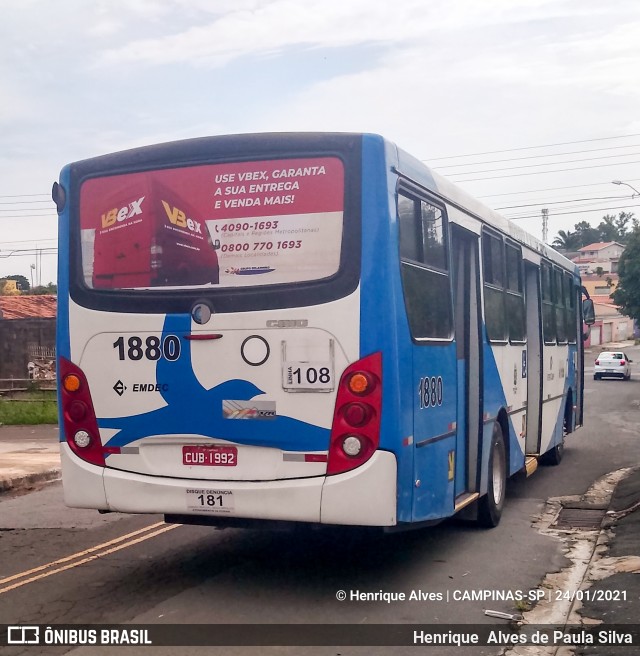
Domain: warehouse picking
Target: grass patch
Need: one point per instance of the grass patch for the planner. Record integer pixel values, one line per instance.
(28, 411)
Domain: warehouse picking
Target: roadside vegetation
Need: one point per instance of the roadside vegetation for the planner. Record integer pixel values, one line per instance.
(37, 407)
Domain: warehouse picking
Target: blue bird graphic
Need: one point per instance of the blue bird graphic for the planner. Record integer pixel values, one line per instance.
(192, 410)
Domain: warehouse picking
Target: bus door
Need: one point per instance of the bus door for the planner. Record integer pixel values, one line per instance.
(534, 359)
(466, 282)
(426, 278)
(579, 328)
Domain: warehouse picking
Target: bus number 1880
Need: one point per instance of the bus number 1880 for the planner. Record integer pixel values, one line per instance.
(151, 349)
(430, 392)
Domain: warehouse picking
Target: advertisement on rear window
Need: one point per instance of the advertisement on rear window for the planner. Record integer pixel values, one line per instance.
(224, 225)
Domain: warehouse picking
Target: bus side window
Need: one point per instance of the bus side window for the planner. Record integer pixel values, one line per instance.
(514, 294)
(560, 305)
(548, 310)
(494, 274)
(433, 242)
(424, 268)
(570, 296)
(410, 236)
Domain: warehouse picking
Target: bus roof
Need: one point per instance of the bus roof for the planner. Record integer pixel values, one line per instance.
(418, 171)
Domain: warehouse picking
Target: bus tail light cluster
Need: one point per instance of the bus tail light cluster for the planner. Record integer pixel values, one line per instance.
(355, 432)
(78, 415)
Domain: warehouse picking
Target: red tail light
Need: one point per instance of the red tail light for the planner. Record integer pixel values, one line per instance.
(78, 415)
(355, 432)
(598, 362)
(623, 362)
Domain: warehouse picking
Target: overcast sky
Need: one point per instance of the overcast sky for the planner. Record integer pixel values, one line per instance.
(441, 78)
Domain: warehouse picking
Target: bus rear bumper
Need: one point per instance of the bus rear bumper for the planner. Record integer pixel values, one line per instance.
(363, 497)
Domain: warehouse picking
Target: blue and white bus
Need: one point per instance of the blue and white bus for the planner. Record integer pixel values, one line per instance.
(303, 328)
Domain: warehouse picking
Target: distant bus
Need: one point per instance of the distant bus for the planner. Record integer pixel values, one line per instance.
(309, 328)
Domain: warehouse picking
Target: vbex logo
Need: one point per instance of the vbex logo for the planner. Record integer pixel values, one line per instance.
(179, 218)
(122, 214)
(23, 635)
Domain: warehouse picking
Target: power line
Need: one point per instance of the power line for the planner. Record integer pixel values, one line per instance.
(23, 196)
(22, 202)
(559, 202)
(526, 166)
(28, 209)
(49, 249)
(46, 213)
(517, 175)
(27, 216)
(490, 152)
(29, 241)
(511, 150)
(596, 209)
(516, 159)
(535, 191)
(29, 252)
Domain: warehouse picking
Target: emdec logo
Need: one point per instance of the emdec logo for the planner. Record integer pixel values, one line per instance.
(122, 214)
(179, 218)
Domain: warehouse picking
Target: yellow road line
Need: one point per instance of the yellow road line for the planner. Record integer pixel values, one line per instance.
(101, 549)
(66, 559)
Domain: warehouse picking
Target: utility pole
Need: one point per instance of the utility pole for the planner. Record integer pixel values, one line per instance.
(545, 225)
(38, 266)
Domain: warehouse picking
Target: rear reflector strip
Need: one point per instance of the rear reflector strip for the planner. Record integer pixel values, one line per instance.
(304, 457)
(315, 457)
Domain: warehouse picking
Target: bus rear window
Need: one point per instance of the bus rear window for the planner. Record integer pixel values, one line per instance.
(220, 225)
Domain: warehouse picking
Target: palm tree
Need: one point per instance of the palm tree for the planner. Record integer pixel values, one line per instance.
(567, 241)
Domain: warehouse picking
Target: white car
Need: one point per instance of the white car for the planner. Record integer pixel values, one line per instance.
(615, 364)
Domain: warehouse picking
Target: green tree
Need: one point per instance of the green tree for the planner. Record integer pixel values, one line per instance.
(614, 228)
(627, 294)
(611, 228)
(51, 288)
(587, 233)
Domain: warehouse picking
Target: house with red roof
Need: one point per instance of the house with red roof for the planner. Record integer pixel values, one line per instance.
(603, 256)
(27, 338)
(598, 264)
(28, 307)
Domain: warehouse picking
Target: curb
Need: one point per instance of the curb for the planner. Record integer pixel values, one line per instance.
(28, 480)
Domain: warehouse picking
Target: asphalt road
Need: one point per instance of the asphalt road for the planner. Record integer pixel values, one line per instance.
(184, 575)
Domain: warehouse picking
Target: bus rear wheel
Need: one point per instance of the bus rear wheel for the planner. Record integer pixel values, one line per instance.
(491, 504)
(553, 457)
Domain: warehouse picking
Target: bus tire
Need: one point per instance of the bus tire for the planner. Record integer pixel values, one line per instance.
(491, 504)
(553, 457)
